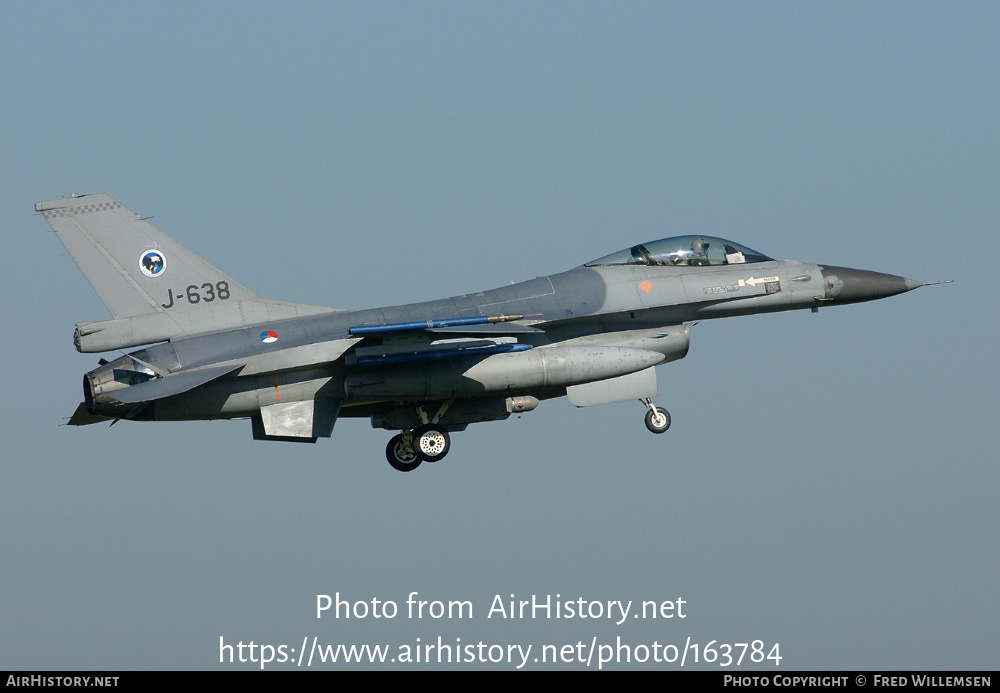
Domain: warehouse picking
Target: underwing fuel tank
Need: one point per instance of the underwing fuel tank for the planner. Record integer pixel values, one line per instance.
(517, 373)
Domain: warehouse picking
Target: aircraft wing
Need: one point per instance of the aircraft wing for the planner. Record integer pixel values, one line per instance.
(82, 417)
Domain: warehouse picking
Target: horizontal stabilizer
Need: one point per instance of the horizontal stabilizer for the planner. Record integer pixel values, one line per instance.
(82, 417)
(173, 384)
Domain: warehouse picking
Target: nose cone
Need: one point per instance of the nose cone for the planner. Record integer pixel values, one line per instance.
(845, 285)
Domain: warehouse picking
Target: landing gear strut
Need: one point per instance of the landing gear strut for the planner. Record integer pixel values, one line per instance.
(657, 418)
(429, 442)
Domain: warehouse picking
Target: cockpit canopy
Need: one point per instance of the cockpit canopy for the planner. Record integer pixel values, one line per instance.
(684, 251)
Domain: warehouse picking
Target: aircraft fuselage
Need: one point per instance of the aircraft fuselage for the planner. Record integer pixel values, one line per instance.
(618, 303)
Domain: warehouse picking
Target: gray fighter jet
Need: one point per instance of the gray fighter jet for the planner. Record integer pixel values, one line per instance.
(215, 350)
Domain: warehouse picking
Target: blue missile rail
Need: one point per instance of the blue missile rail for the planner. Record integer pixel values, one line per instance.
(439, 354)
(432, 324)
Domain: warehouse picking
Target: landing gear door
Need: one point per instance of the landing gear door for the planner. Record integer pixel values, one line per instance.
(638, 385)
(304, 420)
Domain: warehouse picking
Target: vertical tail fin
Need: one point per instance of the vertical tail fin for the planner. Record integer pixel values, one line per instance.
(135, 268)
(155, 288)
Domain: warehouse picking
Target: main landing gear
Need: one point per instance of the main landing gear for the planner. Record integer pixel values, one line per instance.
(428, 443)
(657, 418)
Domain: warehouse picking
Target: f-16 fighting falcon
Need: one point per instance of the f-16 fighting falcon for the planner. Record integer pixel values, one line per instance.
(595, 333)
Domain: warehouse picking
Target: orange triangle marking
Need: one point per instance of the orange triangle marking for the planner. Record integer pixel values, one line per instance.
(646, 286)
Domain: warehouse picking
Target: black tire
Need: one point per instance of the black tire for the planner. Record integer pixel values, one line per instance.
(399, 457)
(658, 420)
(431, 443)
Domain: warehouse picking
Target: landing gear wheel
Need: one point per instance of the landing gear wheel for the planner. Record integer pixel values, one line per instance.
(431, 443)
(400, 456)
(657, 419)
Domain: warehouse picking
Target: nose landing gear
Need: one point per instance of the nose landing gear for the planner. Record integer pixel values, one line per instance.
(657, 418)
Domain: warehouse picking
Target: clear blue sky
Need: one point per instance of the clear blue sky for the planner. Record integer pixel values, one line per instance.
(829, 482)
